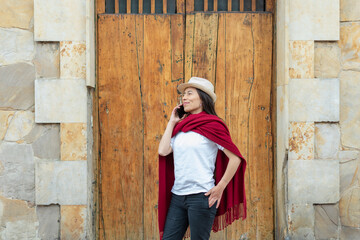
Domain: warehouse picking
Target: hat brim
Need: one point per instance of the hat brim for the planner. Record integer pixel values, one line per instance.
(183, 86)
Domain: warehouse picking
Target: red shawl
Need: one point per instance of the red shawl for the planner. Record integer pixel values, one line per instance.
(233, 201)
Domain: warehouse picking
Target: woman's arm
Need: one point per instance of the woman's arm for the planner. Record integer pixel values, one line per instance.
(164, 145)
(217, 191)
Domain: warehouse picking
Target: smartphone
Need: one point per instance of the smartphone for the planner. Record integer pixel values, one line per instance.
(180, 111)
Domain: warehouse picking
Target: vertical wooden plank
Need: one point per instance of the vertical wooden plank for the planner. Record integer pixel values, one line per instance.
(205, 5)
(260, 126)
(189, 6)
(159, 98)
(253, 5)
(152, 6)
(269, 5)
(220, 87)
(164, 6)
(229, 5)
(189, 45)
(116, 6)
(239, 78)
(128, 6)
(122, 152)
(205, 41)
(100, 6)
(215, 5)
(180, 6)
(177, 48)
(140, 6)
(241, 5)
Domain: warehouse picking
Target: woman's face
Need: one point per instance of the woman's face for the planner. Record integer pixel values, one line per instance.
(191, 101)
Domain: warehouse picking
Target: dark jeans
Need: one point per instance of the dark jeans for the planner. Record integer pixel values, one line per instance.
(190, 209)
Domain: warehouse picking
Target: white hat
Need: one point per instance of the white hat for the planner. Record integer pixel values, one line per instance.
(200, 83)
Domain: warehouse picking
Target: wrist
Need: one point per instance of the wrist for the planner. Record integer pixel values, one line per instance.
(222, 184)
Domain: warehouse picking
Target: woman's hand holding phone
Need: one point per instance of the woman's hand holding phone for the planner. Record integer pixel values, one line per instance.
(175, 117)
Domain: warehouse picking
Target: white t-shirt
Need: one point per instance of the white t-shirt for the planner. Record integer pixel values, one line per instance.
(194, 163)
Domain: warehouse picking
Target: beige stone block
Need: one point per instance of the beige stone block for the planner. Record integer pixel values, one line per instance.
(72, 59)
(349, 176)
(301, 59)
(60, 100)
(350, 108)
(327, 140)
(327, 60)
(313, 181)
(314, 20)
(349, 233)
(59, 20)
(17, 86)
(62, 182)
(73, 141)
(327, 221)
(350, 45)
(73, 222)
(5, 118)
(16, 46)
(301, 141)
(314, 100)
(350, 207)
(16, 14)
(301, 219)
(17, 220)
(47, 60)
(349, 10)
(21, 125)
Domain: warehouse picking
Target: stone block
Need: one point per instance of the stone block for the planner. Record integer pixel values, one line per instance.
(327, 60)
(314, 20)
(348, 233)
(38, 131)
(327, 221)
(21, 124)
(73, 141)
(314, 100)
(301, 59)
(350, 108)
(60, 100)
(301, 219)
(349, 10)
(17, 86)
(49, 221)
(313, 181)
(47, 146)
(72, 60)
(73, 222)
(350, 45)
(5, 119)
(17, 220)
(327, 140)
(59, 20)
(16, 46)
(61, 182)
(47, 60)
(301, 141)
(17, 171)
(16, 14)
(348, 155)
(349, 175)
(350, 207)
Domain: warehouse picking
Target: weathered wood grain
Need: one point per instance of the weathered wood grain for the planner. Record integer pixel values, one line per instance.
(189, 6)
(204, 46)
(100, 6)
(141, 60)
(121, 130)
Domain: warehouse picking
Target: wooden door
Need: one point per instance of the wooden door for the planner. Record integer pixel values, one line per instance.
(141, 60)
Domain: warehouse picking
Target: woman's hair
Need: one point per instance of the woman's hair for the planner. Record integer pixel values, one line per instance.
(207, 102)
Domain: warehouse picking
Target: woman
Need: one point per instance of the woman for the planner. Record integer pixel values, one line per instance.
(192, 151)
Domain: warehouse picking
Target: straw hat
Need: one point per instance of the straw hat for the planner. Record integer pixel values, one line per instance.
(199, 83)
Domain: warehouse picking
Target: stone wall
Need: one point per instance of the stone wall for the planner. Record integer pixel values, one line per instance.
(43, 120)
(318, 146)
